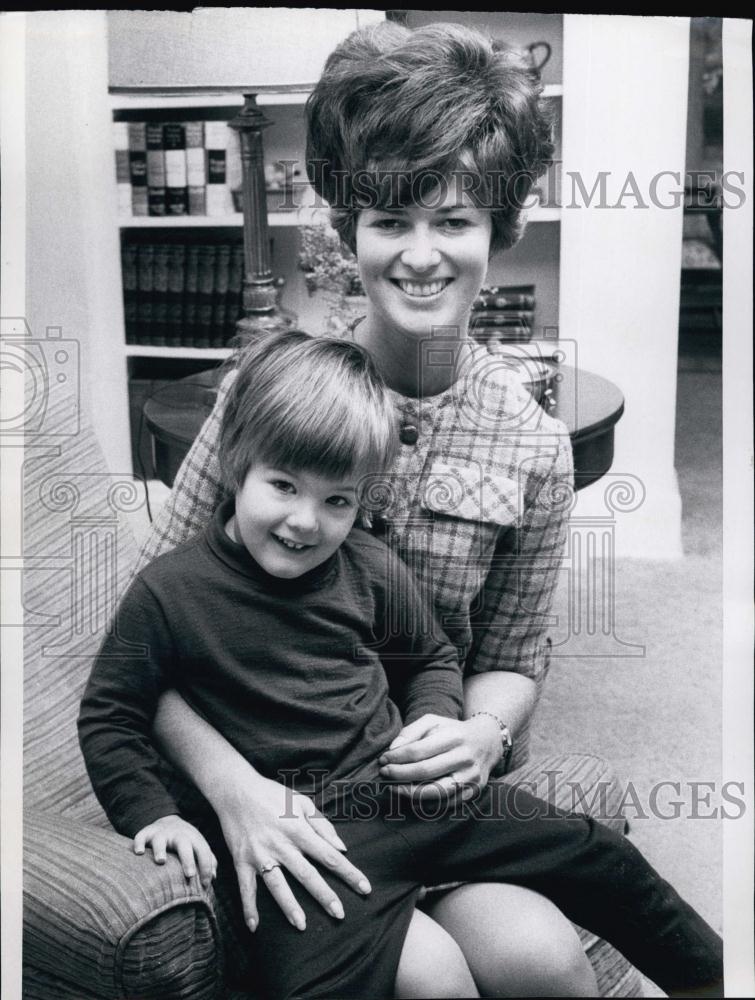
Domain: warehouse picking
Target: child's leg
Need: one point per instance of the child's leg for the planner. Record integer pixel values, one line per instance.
(432, 964)
(596, 877)
(533, 951)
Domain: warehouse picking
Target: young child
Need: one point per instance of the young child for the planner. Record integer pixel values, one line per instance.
(302, 639)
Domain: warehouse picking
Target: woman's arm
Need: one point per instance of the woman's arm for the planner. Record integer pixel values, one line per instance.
(509, 657)
(263, 822)
(511, 629)
(509, 696)
(449, 754)
(511, 626)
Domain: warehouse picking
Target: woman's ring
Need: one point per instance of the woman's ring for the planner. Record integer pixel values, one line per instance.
(268, 867)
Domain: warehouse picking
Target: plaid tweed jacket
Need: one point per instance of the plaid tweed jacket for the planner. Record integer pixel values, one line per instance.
(477, 507)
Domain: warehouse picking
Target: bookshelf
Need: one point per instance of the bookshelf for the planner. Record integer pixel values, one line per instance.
(158, 348)
(193, 107)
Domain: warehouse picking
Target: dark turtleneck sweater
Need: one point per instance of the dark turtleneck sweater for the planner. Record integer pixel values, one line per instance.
(310, 679)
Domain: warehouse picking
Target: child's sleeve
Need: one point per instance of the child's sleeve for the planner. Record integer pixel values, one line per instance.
(119, 704)
(420, 662)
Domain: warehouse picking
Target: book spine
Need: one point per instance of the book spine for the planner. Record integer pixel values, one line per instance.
(122, 169)
(205, 290)
(160, 300)
(196, 167)
(235, 286)
(155, 168)
(176, 284)
(508, 290)
(176, 190)
(233, 174)
(508, 317)
(137, 162)
(498, 334)
(515, 301)
(191, 291)
(220, 294)
(218, 197)
(146, 277)
(130, 291)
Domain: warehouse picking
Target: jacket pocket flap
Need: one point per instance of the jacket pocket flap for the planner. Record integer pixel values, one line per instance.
(470, 493)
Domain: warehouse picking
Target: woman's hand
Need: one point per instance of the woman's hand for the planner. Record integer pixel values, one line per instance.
(434, 757)
(270, 829)
(264, 823)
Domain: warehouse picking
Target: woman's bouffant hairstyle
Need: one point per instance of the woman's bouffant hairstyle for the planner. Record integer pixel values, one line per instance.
(309, 404)
(438, 101)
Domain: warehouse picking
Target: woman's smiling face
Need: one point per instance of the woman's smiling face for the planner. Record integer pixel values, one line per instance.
(421, 267)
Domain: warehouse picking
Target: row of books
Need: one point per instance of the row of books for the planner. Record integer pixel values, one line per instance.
(176, 168)
(181, 295)
(503, 313)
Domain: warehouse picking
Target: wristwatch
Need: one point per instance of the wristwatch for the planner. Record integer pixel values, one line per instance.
(507, 742)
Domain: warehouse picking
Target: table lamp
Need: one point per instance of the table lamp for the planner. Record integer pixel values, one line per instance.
(261, 292)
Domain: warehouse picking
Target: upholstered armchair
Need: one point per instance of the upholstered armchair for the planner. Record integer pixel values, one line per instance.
(100, 922)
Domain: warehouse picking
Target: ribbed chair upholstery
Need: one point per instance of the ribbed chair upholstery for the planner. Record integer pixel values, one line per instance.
(100, 922)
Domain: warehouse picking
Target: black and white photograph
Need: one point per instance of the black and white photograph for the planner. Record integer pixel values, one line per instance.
(377, 497)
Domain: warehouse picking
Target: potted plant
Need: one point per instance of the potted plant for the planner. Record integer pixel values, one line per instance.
(330, 270)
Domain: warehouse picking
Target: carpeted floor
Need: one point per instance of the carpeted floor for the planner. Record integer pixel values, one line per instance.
(658, 718)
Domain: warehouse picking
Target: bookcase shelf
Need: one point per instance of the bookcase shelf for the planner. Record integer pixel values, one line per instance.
(196, 353)
(153, 98)
(301, 217)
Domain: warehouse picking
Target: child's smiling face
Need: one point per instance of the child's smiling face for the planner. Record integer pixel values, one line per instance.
(290, 522)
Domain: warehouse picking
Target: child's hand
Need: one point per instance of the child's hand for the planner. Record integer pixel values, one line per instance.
(171, 833)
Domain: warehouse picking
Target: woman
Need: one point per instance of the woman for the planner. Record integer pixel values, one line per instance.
(425, 144)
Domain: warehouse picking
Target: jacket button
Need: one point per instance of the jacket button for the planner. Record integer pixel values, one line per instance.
(408, 434)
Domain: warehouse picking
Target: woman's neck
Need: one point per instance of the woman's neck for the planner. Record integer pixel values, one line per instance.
(419, 367)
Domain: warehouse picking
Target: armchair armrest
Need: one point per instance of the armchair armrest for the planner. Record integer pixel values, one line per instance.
(112, 924)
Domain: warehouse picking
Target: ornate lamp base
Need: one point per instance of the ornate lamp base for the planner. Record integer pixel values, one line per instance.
(249, 328)
(263, 312)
